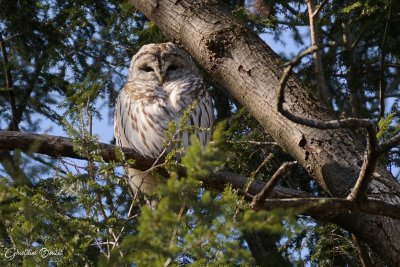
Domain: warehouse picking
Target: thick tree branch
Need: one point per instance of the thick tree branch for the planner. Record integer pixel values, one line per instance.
(58, 146)
(319, 208)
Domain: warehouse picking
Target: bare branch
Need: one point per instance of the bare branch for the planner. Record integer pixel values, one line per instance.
(253, 142)
(370, 155)
(392, 142)
(58, 146)
(317, 55)
(382, 82)
(319, 8)
(260, 198)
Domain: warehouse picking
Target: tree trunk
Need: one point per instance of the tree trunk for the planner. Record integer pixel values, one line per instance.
(243, 64)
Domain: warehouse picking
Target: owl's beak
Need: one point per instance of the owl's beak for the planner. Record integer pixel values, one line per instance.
(161, 78)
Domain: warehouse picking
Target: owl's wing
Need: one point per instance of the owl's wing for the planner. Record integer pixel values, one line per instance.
(184, 93)
(140, 119)
(202, 117)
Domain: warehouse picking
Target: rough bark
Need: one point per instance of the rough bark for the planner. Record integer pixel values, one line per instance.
(243, 64)
(59, 146)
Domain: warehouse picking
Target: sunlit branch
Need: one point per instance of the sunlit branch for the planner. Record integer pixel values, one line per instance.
(370, 155)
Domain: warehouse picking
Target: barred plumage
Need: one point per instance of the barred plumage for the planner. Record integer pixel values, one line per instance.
(163, 81)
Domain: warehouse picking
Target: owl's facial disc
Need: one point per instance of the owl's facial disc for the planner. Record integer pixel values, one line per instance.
(148, 69)
(160, 64)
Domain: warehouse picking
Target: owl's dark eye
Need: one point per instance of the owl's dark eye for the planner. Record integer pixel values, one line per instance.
(147, 69)
(172, 68)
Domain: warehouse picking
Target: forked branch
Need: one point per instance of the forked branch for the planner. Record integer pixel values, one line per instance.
(373, 150)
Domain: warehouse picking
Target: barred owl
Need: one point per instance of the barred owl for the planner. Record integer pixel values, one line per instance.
(163, 81)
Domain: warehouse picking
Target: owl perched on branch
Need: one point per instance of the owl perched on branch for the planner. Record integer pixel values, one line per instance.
(163, 82)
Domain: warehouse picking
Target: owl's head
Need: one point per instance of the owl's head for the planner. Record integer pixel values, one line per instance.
(161, 63)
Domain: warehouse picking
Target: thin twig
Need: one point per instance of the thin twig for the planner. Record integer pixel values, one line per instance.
(269, 186)
(317, 55)
(172, 242)
(129, 217)
(181, 213)
(245, 192)
(319, 8)
(9, 85)
(296, 59)
(90, 117)
(252, 142)
(23, 101)
(387, 145)
(382, 82)
(254, 173)
(353, 71)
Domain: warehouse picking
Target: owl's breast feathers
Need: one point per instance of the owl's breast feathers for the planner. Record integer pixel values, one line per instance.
(143, 112)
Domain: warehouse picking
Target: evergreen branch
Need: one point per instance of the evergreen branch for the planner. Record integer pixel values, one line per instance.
(320, 208)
